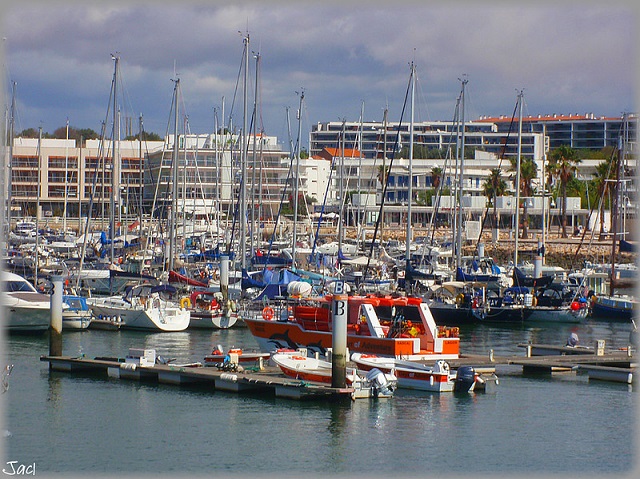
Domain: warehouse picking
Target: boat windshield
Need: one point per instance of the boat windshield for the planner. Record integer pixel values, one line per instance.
(13, 286)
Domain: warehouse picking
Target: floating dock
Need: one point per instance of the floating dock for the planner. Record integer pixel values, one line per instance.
(263, 382)
(616, 365)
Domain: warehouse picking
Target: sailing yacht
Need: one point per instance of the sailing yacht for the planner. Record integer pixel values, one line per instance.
(142, 307)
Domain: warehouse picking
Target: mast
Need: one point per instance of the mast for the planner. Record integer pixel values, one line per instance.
(615, 206)
(38, 191)
(408, 234)
(141, 182)
(384, 167)
(174, 181)
(115, 163)
(66, 182)
(10, 165)
(243, 160)
(341, 190)
(460, 177)
(254, 229)
(518, 161)
(296, 188)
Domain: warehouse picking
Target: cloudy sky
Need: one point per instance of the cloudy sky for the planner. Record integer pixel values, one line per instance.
(568, 57)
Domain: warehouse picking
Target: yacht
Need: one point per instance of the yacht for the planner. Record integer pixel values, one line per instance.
(25, 310)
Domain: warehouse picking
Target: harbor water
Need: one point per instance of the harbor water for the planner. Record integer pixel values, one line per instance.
(67, 424)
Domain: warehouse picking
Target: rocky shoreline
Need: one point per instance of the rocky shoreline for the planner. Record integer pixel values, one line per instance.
(568, 253)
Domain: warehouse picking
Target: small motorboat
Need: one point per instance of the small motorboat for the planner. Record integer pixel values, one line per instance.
(374, 383)
(219, 357)
(420, 376)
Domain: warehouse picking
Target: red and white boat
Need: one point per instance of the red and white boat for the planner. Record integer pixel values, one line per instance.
(414, 375)
(399, 327)
(373, 383)
(307, 368)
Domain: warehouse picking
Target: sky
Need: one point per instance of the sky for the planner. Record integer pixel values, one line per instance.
(347, 57)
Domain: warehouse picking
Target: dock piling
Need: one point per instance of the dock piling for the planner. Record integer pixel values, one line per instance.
(55, 329)
(339, 337)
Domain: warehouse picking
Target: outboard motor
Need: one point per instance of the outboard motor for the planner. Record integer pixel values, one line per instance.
(465, 379)
(383, 384)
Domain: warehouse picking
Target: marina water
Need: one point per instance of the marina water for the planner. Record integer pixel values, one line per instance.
(62, 423)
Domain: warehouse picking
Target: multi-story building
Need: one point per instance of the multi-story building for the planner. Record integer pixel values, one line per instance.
(577, 131)
(60, 174)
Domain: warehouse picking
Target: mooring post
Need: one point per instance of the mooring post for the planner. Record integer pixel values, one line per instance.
(224, 277)
(55, 329)
(339, 337)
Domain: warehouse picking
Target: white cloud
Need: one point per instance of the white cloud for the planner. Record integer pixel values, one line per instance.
(567, 57)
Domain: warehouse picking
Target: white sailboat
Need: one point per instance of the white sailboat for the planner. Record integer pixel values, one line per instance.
(141, 307)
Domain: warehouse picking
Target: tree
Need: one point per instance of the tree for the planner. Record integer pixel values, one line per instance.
(383, 173)
(604, 171)
(146, 136)
(493, 187)
(436, 176)
(563, 164)
(528, 172)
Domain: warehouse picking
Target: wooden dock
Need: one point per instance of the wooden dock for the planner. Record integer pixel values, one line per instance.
(598, 363)
(264, 382)
(540, 359)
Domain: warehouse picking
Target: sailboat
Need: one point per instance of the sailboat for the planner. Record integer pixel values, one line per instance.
(615, 306)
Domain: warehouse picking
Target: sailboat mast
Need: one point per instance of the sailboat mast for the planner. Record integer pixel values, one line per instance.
(254, 226)
(174, 182)
(66, 181)
(115, 162)
(518, 161)
(615, 204)
(38, 192)
(460, 177)
(141, 182)
(243, 160)
(384, 168)
(296, 188)
(341, 190)
(410, 199)
(9, 170)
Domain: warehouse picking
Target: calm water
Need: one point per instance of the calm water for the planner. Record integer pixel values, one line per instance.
(69, 424)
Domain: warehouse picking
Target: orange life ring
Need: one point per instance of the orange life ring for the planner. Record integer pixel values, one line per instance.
(267, 313)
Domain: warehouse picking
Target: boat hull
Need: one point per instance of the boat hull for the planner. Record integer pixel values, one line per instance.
(418, 377)
(138, 317)
(208, 320)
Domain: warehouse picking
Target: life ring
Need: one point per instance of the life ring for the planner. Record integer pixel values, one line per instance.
(267, 313)
(214, 304)
(185, 303)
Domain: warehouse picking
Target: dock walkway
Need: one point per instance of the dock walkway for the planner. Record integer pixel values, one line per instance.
(263, 382)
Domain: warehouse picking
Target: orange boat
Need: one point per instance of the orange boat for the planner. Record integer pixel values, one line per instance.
(390, 326)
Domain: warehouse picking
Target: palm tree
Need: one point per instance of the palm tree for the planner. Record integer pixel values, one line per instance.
(563, 164)
(383, 173)
(528, 172)
(604, 171)
(436, 177)
(493, 187)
